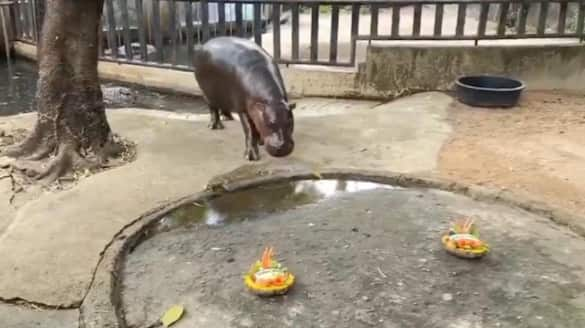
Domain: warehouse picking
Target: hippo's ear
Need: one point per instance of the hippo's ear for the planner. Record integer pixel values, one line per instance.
(292, 106)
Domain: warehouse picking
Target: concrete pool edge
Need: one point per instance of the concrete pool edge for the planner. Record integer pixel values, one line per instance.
(101, 306)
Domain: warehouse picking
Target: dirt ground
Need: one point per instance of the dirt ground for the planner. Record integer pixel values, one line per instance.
(369, 258)
(537, 148)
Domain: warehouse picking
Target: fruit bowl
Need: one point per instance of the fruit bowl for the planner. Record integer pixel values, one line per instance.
(268, 277)
(470, 253)
(463, 241)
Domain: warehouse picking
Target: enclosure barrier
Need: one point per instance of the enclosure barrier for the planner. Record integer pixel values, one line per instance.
(163, 33)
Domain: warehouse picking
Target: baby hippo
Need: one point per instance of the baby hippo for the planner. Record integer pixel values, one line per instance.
(236, 75)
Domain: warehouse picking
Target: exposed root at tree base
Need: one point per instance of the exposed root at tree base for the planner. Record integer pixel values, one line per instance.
(41, 160)
(67, 159)
(15, 187)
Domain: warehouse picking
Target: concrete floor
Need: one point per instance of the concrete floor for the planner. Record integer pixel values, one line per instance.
(364, 256)
(13, 316)
(51, 245)
(51, 242)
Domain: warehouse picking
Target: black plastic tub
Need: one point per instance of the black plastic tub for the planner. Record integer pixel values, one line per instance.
(489, 91)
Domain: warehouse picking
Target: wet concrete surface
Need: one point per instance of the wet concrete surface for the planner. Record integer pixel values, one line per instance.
(364, 257)
(18, 87)
(151, 99)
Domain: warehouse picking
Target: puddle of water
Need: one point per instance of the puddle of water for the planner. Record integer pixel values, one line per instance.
(252, 204)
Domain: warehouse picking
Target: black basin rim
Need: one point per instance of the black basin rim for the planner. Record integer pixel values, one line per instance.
(521, 87)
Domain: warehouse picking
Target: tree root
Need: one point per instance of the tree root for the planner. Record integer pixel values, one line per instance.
(14, 186)
(40, 162)
(27, 147)
(42, 151)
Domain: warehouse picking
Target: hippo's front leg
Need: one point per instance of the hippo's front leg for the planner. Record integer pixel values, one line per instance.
(251, 153)
(227, 115)
(215, 122)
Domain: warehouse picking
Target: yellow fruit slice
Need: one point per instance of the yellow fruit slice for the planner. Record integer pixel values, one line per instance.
(172, 315)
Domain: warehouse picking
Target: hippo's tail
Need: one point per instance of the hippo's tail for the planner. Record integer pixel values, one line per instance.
(200, 55)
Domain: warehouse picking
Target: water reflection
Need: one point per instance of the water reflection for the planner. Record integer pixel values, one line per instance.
(255, 203)
(328, 188)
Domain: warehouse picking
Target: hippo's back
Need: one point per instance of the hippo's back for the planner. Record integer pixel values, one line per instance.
(237, 65)
(232, 49)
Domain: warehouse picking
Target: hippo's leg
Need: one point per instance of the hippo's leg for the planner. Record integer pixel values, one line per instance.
(227, 115)
(256, 135)
(214, 122)
(251, 153)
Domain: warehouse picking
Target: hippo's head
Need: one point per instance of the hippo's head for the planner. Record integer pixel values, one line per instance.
(275, 123)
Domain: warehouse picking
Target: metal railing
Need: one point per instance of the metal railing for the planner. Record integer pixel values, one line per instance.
(318, 32)
(24, 19)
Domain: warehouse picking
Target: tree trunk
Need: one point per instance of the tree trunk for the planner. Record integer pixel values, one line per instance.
(71, 122)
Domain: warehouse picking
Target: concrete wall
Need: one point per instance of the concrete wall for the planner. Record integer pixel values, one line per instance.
(392, 71)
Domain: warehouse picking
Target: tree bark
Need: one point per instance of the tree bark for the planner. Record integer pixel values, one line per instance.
(71, 122)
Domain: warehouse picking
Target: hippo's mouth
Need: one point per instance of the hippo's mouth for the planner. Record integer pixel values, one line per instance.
(278, 146)
(274, 140)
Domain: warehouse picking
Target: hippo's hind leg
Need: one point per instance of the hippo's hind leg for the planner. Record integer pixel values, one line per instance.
(214, 122)
(251, 136)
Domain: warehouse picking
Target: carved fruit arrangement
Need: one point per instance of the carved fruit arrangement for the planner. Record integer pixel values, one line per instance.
(462, 240)
(268, 277)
